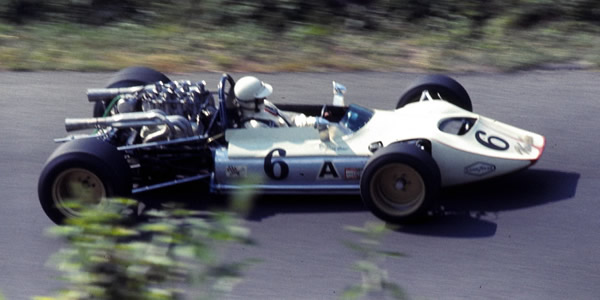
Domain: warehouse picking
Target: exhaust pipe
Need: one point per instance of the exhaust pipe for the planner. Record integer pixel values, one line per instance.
(95, 95)
(131, 120)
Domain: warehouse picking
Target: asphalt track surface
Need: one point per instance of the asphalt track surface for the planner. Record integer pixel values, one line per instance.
(531, 235)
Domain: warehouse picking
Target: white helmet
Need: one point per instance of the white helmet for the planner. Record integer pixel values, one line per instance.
(249, 88)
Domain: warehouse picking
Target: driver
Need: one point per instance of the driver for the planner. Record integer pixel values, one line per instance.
(258, 112)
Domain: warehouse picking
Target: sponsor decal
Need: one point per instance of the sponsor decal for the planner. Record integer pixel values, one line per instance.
(352, 173)
(328, 171)
(480, 169)
(236, 171)
(524, 146)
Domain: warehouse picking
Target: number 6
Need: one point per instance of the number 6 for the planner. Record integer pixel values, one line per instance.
(270, 165)
(490, 141)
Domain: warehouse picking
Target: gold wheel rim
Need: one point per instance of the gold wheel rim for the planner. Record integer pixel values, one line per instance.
(397, 189)
(76, 189)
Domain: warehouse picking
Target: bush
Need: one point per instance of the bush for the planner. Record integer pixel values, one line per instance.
(375, 283)
(112, 256)
(96, 12)
(280, 14)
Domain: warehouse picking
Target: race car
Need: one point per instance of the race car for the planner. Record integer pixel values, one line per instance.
(151, 132)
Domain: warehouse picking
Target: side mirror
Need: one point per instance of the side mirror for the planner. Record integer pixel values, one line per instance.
(338, 94)
(322, 125)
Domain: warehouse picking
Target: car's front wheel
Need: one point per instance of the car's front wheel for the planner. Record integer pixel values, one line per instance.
(400, 183)
(81, 174)
(439, 87)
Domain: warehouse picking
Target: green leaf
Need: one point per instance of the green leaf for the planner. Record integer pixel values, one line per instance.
(161, 227)
(122, 232)
(186, 251)
(352, 293)
(356, 229)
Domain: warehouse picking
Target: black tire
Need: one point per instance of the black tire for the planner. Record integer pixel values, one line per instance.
(448, 88)
(84, 168)
(132, 76)
(400, 183)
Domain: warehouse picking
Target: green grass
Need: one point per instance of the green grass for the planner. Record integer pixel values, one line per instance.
(438, 46)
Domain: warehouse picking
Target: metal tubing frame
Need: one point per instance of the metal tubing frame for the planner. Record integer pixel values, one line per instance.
(170, 183)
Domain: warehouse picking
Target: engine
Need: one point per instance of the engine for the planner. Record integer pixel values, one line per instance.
(174, 98)
(156, 112)
(187, 106)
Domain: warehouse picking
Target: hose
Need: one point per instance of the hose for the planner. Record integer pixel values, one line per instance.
(110, 105)
(108, 108)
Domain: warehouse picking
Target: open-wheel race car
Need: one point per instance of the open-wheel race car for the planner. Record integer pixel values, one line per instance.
(151, 132)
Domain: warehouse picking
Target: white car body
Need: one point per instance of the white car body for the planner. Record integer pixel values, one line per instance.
(488, 149)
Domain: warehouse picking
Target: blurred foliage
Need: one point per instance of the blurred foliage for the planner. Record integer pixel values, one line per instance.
(280, 14)
(298, 35)
(375, 282)
(111, 255)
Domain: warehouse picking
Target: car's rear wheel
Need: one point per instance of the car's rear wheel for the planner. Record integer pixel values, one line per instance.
(400, 183)
(128, 77)
(81, 174)
(77, 184)
(439, 87)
